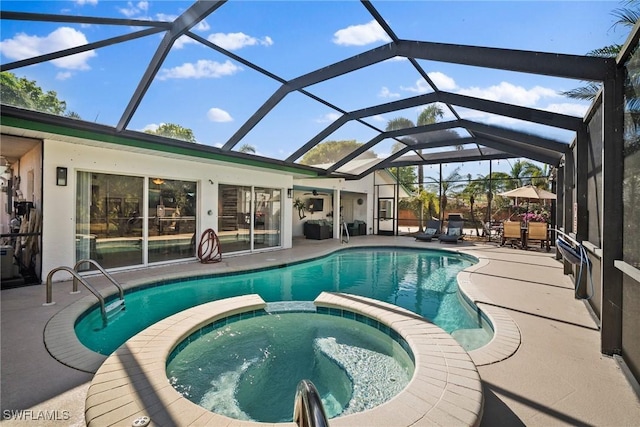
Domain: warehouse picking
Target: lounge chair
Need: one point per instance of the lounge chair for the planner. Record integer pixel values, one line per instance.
(432, 230)
(538, 231)
(512, 231)
(454, 232)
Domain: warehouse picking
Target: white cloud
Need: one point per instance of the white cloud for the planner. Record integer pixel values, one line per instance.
(152, 127)
(235, 41)
(201, 69)
(396, 59)
(378, 118)
(218, 115)
(200, 26)
(421, 86)
(129, 11)
(568, 108)
(510, 93)
(329, 118)
(165, 17)
(23, 46)
(360, 35)
(386, 93)
(182, 41)
(83, 2)
(442, 81)
(64, 75)
(134, 9)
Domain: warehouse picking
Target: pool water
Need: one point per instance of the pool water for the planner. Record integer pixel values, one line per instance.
(249, 369)
(422, 281)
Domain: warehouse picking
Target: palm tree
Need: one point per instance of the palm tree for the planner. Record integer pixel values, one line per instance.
(429, 115)
(447, 187)
(521, 174)
(491, 184)
(247, 148)
(626, 17)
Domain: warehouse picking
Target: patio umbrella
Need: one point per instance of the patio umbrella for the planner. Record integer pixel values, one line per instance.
(530, 193)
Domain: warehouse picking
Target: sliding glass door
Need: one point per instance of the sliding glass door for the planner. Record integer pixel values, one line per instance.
(171, 216)
(267, 221)
(114, 229)
(108, 224)
(249, 218)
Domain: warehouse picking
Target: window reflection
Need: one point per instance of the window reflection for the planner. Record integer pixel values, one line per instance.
(108, 225)
(171, 219)
(248, 218)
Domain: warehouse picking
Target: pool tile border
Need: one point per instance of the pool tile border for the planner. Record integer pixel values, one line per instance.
(506, 334)
(132, 382)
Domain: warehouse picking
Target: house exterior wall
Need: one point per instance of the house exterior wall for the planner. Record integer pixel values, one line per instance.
(363, 186)
(59, 202)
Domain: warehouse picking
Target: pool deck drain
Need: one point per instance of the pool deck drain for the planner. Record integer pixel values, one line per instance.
(132, 382)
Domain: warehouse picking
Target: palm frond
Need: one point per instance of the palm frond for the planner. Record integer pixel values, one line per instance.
(610, 51)
(587, 92)
(627, 17)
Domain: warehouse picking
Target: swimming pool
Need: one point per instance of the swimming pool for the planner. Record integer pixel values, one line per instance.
(423, 281)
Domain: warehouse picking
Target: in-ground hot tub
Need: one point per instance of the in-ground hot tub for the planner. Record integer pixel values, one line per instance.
(248, 366)
(132, 383)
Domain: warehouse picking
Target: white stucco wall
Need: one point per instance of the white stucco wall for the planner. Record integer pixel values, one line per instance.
(59, 202)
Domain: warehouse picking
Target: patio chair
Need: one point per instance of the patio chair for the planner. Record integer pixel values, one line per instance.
(432, 230)
(512, 231)
(454, 232)
(539, 231)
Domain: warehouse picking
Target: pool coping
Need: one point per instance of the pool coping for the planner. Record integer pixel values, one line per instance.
(63, 344)
(445, 388)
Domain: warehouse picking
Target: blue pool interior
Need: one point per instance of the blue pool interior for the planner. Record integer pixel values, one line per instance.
(248, 366)
(422, 281)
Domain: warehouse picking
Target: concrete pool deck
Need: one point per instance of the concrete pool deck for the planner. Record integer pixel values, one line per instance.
(556, 376)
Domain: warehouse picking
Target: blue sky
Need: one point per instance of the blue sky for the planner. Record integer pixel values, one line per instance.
(213, 95)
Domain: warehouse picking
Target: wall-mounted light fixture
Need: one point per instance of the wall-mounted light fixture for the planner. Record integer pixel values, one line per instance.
(289, 193)
(61, 176)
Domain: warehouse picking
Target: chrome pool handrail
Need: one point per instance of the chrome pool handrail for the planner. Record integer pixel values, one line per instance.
(102, 270)
(76, 276)
(308, 410)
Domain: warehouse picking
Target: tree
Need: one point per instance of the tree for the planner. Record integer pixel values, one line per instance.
(24, 93)
(429, 115)
(522, 173)
(406, 176)
(332, 151)
(447, 187)
(490, 184)
(171, 130)
(626, 17)
(247, 148)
